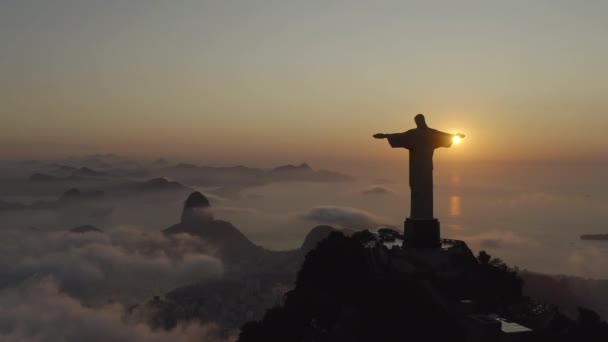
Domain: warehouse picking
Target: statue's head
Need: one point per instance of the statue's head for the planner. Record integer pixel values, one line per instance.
(420, 121)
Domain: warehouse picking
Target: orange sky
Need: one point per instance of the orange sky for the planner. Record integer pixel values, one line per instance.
(267, 81)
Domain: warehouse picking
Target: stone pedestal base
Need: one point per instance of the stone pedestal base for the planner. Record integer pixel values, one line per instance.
(421, 233)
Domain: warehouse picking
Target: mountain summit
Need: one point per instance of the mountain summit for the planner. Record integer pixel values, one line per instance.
(222, 236)
(195, 204)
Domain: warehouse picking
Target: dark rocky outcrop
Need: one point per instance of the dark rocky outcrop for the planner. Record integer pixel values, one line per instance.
(318, 234)
(340, 297)
(196, 200)
(196, 207)
(346, 292)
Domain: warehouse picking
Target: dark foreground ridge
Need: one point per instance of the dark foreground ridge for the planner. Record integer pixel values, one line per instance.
(356, 289)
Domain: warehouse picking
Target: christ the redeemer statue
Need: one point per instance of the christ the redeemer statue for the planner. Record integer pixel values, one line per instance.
(421, 228)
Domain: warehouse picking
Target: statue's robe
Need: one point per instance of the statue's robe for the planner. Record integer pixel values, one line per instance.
(421, 142)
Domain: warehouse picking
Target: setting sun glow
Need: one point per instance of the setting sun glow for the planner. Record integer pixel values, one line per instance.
(456, 139)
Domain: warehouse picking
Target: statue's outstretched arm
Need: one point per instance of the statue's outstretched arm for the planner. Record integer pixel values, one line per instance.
(396, 139)
(443, 139)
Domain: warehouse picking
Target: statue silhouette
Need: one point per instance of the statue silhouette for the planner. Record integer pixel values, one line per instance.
(421, 142)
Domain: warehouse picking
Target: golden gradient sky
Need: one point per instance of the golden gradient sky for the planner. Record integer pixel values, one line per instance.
(284, 81)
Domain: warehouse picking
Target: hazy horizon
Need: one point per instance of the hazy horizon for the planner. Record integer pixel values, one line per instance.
(520, 211)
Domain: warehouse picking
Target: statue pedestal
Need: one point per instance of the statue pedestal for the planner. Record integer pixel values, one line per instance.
(421, 233)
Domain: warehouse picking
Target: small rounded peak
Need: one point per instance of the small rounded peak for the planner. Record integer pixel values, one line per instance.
(196, 208)
(197, 200)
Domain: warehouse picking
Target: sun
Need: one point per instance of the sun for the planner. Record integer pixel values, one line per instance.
(456, 139)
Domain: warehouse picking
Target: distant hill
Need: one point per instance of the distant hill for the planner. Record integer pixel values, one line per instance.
(87, 172)
(160, 184)
(160, 187)
(247, 175)
(68, 173)
(292, 168)
(85, 229)
(76, 202)
(233, 179)
(115, 173)
(74, 195)
(304, 172)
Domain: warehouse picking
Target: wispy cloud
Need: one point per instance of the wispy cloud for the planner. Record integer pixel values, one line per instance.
(346, 217)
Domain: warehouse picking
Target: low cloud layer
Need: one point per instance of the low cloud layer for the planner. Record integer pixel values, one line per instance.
(123, 263)
(39, 312)
(345, 217)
